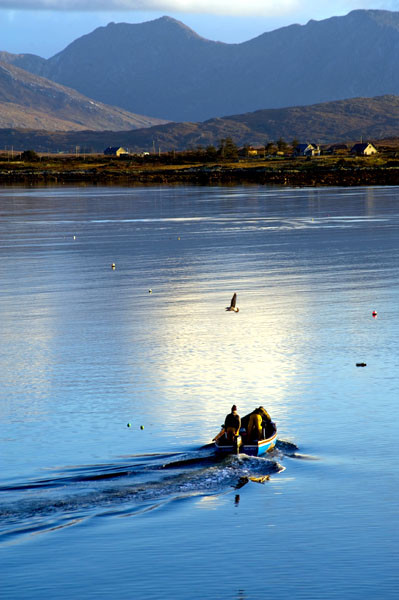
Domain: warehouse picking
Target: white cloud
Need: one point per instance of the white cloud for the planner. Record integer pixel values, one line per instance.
(280, 9)
(226, 7)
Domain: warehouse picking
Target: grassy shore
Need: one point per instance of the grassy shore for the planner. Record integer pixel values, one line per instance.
(97, 169)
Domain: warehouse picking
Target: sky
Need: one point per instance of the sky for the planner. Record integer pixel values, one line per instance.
(45, 27)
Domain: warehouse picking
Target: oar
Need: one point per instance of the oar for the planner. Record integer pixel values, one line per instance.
(219, 435)
(221, 432)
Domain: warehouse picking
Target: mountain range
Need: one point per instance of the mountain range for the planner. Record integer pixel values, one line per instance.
(325, 123)
(164, 69)
(30, 101)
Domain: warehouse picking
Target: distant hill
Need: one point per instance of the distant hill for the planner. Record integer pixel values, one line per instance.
(341, 121)
(164, 69)
(30, 101)
(29, 62)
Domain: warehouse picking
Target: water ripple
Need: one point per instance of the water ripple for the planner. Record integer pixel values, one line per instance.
(144, 483)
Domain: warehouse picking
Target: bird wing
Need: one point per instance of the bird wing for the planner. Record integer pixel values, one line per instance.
(233, 301)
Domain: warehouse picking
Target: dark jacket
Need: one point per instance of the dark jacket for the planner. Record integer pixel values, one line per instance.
(232, 420)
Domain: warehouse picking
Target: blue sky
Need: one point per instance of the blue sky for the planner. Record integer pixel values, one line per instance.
(45, 27)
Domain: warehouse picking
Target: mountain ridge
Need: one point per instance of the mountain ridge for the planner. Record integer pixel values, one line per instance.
(28, 100)
(164, 69)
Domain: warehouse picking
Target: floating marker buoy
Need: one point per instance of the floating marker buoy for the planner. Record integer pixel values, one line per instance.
(178, 238)
(113, 266)
(141, 426)
(129, 425)
(150, 291)
(361, 364)
(74, 237)
(374, 313)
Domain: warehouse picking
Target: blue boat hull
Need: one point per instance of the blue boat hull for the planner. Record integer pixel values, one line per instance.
(256, 448)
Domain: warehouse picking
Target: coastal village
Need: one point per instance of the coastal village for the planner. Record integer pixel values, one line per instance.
(249, 151)
(278, 163)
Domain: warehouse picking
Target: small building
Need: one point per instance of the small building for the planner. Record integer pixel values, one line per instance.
(251, 151)
(115, 151)
(257, 150)
(307, 150)
(364, 149)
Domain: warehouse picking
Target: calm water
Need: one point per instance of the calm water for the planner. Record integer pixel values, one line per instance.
(91, 508)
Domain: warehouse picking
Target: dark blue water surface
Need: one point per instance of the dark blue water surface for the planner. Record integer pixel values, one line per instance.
(92, 508)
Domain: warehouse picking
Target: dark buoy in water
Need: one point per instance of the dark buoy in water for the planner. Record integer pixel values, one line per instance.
(374, 313)
(361, 364)
(141, 427)
(113, 266)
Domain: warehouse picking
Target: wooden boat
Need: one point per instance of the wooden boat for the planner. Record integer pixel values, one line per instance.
(241, 445)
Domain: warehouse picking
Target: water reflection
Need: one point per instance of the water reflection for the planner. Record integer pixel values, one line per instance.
(76, 330)
(86, 350)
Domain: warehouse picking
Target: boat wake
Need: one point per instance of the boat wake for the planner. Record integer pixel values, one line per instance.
(131, 486)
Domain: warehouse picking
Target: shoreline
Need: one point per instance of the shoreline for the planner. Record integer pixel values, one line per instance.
(303, 175)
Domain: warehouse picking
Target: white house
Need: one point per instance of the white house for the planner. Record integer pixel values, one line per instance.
(364, 149)
(307, 150)
(115, 151)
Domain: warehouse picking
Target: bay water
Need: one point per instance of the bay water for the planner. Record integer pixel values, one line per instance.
(114, 380)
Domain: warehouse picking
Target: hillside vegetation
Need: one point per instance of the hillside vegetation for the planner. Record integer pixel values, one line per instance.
(342, 121)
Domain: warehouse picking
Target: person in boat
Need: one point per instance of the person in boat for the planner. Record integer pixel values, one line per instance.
(258, 422)
(232, 423)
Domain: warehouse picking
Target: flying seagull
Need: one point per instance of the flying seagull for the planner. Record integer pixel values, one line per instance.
(232, 306)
